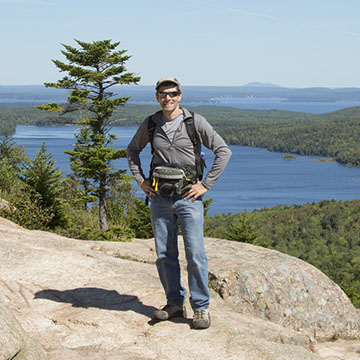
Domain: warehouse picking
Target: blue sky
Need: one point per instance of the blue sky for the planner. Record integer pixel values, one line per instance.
(293, 43)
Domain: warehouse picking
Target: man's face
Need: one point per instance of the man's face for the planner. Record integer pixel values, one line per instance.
(168, 97)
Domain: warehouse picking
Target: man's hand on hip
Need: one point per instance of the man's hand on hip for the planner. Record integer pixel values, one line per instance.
(146, 188)
(196, 190)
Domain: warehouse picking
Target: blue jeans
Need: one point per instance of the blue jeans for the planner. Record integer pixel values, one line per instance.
(165, 211)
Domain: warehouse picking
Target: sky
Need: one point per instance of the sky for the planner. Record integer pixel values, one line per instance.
(292, 43)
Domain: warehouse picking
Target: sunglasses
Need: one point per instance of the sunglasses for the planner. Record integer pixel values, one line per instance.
(172, 94)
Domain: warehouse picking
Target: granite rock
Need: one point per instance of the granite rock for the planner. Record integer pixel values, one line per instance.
(94, 300)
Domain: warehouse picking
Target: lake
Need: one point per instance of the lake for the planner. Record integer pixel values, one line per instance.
(255, 103)
(318, 107)
(254, 178)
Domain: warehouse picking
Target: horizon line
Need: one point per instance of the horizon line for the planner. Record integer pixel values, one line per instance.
(251, 84)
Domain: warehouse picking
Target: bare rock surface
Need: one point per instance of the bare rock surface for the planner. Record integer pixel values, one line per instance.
(283, 289)
(94, 300)
(15, 343)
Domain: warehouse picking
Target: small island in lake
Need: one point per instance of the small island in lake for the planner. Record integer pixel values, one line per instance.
(288, 156)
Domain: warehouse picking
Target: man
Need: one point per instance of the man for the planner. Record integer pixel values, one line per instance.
(173, 152)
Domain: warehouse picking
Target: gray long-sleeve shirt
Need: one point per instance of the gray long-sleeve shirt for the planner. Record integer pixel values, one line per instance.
(180, 150)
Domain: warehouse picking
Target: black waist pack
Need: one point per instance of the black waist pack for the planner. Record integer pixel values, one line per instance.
(168, 181)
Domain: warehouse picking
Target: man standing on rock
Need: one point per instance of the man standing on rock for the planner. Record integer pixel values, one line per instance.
(175, 190)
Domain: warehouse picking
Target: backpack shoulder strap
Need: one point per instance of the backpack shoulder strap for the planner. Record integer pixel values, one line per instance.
(151, 130)
(195, 139)
(192, 133)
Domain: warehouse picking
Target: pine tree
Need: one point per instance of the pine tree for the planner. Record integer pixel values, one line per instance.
(140, 222)
(12, 157)
(242, 230)
(91, 71)
(45, 180)
(11, 153)
(79, 164)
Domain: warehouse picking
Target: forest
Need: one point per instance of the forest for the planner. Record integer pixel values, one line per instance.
(335, 135)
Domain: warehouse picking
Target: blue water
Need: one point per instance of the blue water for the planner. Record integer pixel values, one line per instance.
(254, 178)
(256, 103)
(233, 101)
(282, 104)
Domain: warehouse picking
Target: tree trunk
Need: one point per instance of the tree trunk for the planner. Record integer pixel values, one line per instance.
(102, 205)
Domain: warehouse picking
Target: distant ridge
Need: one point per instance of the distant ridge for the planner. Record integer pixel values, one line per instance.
(350, 112)
(260, 84)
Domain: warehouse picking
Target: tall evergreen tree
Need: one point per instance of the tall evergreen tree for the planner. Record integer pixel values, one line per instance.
(92, 69)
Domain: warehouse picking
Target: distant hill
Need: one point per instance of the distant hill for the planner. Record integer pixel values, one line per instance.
(351, 112)
(259, 84)
(31, 92)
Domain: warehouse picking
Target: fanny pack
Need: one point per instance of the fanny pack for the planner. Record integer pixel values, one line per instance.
(168, 181)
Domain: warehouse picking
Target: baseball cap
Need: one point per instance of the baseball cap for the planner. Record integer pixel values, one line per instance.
(168, 79)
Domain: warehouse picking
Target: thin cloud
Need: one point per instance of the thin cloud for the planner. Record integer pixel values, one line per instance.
(239, 11)
(347, 32)
(328, 29)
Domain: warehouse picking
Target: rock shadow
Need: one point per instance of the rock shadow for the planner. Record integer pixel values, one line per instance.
(87, 297)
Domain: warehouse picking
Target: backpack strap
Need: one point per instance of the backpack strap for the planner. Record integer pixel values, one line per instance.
(151, 130)
(195, 139)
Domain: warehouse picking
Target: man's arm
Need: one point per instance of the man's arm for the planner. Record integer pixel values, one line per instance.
(213, 141)
(136, 145)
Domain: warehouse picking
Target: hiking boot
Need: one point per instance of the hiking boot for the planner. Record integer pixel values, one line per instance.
(201, 319)
(169, 311)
